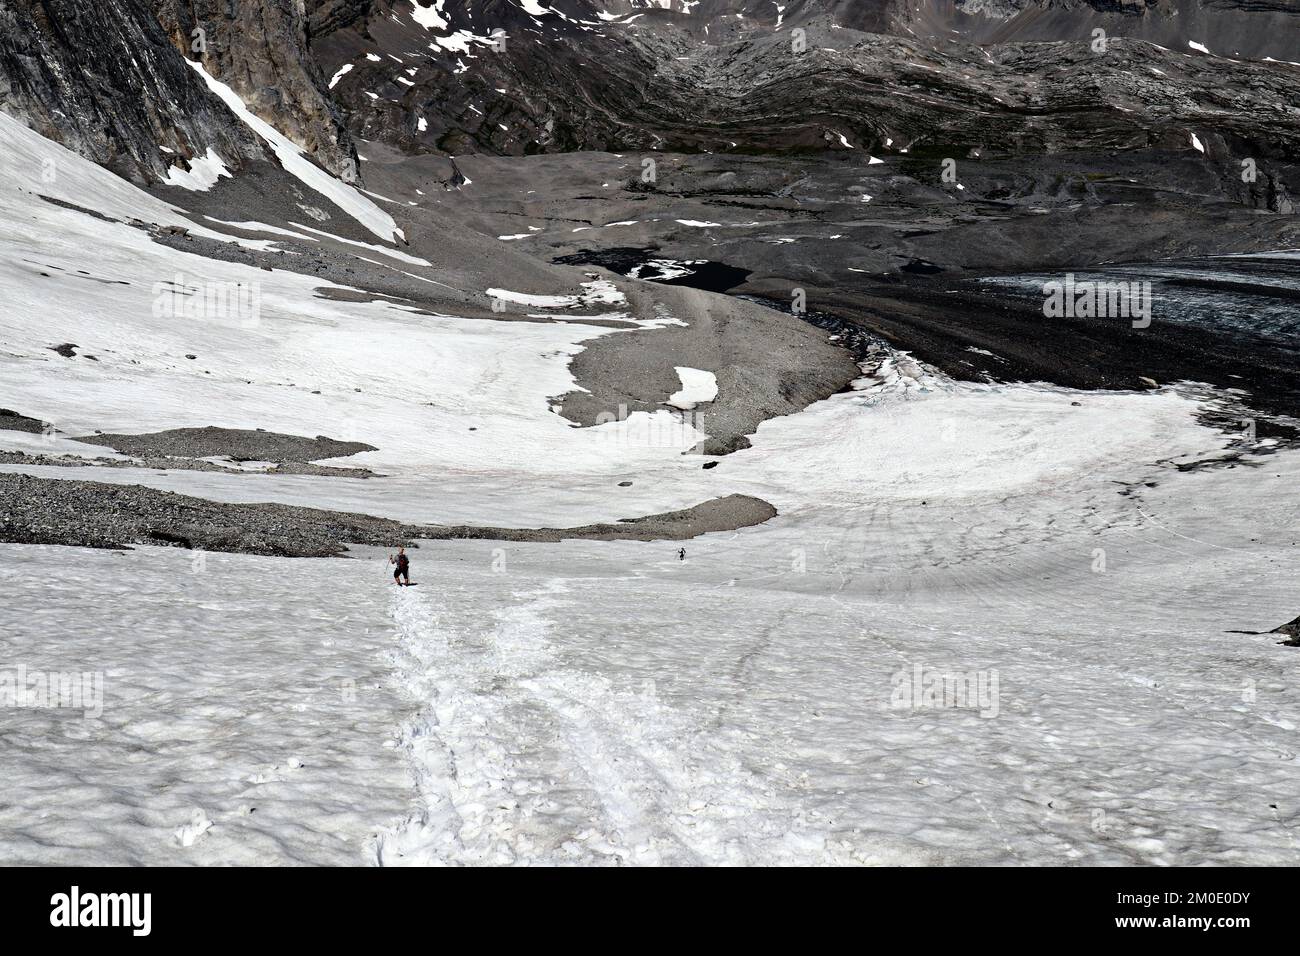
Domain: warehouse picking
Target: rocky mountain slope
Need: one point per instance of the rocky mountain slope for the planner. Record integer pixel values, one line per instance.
(110, 81)
(261, 51)
(518, 78)
(515, 77)
(133, 106)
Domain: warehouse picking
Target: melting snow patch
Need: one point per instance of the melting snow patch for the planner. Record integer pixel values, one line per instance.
(344, 70)
(1197, 144)
(202, 175)
(697, 386)
(261, 227)
(430, 18)
(600, 292)
(660, 270)
(392, 253)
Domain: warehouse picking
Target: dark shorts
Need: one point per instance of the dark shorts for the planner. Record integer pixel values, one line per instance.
(401, 572)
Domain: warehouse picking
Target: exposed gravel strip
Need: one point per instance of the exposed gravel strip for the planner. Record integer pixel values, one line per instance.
(37, 510)
(14, 422)
(240, 444)
(183, 464)
(716, 514)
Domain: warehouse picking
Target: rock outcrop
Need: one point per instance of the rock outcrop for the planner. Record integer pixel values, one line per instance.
(103, 80)
(110, 81)
(260, 49)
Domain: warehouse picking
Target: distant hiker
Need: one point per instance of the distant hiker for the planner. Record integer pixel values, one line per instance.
(403, 568)
(681, 554)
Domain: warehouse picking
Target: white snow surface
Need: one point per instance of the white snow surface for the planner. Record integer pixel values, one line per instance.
(343, 71)
(606, 702)
(697, 386)
(430, 17)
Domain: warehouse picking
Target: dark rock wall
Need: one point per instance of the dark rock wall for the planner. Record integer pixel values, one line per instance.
(109, 80)
(260, 49)
(103, 80)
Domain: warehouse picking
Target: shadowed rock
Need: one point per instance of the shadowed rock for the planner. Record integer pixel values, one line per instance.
(1291, 629)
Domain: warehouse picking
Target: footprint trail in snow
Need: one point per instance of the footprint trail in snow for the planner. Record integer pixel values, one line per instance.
(519, 758)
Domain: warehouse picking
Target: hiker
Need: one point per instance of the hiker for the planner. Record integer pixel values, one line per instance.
(403, 569)
(681, 554)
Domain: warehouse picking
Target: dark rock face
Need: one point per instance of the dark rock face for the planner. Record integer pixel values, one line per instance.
(460, 76)
(427, 75)
(260, 49)
(103, 80)
(326, 16)
(109, 80)
(434, 84)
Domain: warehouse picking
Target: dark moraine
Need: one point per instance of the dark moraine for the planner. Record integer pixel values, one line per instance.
(14, 422)
(240, 444)
(35, 510)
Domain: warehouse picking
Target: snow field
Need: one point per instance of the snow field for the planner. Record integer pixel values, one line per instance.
(604, 702)
(238, 691)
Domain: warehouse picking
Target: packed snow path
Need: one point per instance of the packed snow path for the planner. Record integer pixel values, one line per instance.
(521, 759)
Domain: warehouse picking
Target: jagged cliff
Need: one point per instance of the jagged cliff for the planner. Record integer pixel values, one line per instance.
(104, 80)
(110, 80)
(260, 49)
